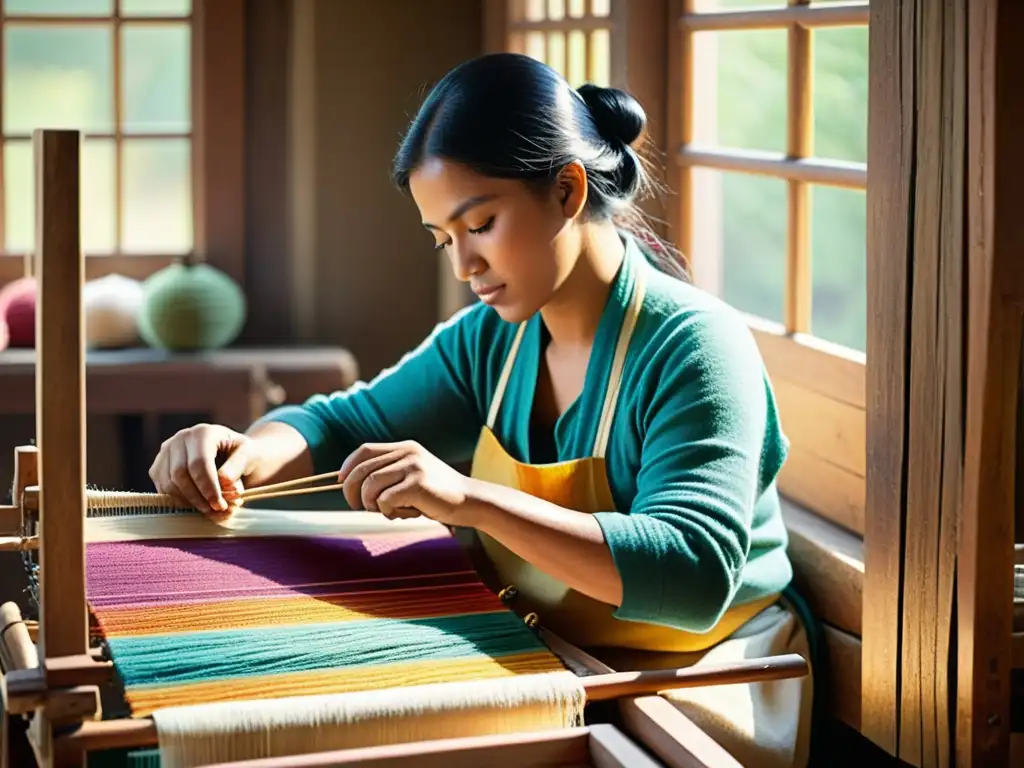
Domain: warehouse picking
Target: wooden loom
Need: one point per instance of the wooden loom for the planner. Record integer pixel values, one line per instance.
(53, 677)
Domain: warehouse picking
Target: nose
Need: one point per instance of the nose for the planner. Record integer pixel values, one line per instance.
(466, 263)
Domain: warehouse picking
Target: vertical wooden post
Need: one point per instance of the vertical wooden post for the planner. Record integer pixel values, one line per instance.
(60, 394)
(995, 161)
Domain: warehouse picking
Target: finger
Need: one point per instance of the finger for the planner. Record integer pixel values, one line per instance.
(398, 501)
(182, 478)
(364, 453)
(200, 452)
(379, 481)
(235, 465)
(352, 485)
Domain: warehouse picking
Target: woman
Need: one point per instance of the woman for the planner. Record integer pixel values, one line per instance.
(623, 436)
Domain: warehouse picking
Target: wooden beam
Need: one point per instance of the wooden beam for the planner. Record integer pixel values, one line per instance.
(60, 394)
(995, 161)
(890, 136)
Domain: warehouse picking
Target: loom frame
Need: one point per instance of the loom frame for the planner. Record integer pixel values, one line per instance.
(53, 678)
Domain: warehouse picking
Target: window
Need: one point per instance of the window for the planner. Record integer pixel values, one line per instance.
(771, 145)
(571, 36)
(137, 78)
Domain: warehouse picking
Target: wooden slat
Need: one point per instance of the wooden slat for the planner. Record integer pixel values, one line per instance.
(808, 17)
(800, 146)
(836, 373)
(829, 567)
(824, 488)
(60, 395)
(562, 25)
(836, 173)
(822, 426)
(844, 663)
(995, 163)
(890, 136)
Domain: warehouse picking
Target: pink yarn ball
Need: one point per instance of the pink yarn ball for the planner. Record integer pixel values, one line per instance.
(3, 334)
(18, 311)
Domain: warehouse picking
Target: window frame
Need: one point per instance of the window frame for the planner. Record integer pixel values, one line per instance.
(218, 150)
(820, 386)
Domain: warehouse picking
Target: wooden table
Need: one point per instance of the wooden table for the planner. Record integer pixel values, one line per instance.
(235, 386)
(152, 393)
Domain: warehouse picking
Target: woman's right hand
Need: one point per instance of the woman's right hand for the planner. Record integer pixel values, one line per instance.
(186, 467)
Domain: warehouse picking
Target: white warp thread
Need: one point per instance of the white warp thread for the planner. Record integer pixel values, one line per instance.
(214, 733)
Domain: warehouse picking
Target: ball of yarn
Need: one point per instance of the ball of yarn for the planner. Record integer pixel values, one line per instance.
(111, 305)
(18, 311)
(191, 306)
(3, 334)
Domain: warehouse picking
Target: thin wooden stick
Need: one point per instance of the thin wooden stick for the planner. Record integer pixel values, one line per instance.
(273, 487)
(247, 497)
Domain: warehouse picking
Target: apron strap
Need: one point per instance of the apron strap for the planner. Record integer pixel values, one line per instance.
(506, 372)
(611, 398)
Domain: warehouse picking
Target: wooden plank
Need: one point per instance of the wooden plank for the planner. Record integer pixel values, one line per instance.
(890, 136)
(823, 426)
(844, 663)
(837, 173)
(805, 16)
(995, 162)
(812, 363)
(60, 394)
(933, 445)
(828, 565)
(824, 488)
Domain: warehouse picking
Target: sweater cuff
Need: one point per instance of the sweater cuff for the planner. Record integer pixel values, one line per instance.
(322, 447)
(632, 550)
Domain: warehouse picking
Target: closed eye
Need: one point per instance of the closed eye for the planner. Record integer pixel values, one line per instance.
(480, 230)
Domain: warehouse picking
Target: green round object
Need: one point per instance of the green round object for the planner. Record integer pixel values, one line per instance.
(191, 306)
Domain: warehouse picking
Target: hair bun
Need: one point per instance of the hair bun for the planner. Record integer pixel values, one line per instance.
(618, 116)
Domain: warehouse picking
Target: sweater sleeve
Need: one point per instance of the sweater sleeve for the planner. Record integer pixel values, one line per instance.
(427, 397)
(707, 426)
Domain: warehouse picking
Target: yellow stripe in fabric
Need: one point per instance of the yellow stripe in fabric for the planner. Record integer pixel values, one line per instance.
(144, 700)
(418, 603)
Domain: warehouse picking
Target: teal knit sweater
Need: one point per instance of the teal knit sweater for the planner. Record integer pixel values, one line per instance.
(694, 452)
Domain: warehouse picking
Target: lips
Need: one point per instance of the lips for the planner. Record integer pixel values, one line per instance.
(490, 294)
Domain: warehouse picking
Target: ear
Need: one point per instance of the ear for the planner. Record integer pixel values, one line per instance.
(571, 190)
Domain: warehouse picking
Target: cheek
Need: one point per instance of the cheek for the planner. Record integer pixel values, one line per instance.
(523, 250)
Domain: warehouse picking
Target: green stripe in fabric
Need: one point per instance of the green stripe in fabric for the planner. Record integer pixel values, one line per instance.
(194, 657)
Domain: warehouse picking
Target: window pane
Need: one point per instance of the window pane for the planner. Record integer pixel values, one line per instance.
(600, 58)
(156, 7)
(556, 10)
(157, 195)
(577, 8)
(841, 93)
(97, 204)
(740, 89)
(58, 77)
(535, 10)
(739, 240)
(155, 71)
(602, 7)
(576, 58)
(556, 52)
(59, 7)
(839, 265)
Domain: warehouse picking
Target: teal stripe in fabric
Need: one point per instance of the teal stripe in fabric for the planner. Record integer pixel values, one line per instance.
(182, 658)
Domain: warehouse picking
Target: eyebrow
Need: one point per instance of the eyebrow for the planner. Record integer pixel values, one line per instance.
(462, 208)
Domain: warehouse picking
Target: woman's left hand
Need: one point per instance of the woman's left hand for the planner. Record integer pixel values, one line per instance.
(403, 480)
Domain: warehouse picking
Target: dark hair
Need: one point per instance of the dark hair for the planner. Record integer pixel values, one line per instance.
(510, 116)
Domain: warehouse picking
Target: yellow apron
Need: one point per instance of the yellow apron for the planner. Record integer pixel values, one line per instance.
(582, 485)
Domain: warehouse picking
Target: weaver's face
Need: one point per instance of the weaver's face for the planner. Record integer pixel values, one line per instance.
(511, 243)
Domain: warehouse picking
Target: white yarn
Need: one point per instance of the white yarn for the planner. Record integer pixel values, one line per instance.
(215, 733)
(111, 307)
(133, 526)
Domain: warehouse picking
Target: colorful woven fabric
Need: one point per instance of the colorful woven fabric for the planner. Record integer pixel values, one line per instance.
(191, 621)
